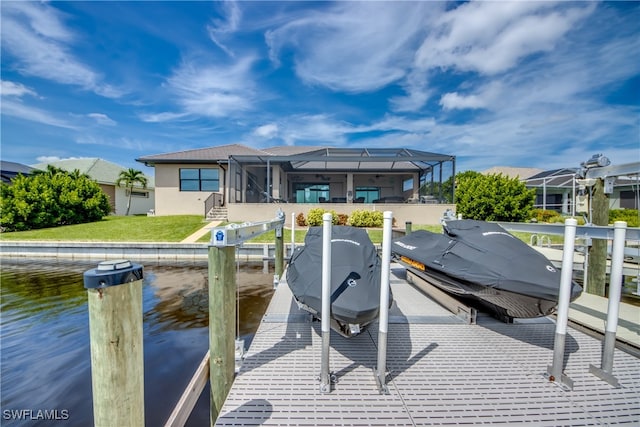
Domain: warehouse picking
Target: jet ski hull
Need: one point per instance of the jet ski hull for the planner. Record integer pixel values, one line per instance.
(482, 262)
(355, 278)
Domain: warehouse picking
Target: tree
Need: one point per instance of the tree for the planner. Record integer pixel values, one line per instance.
(128, 179)
(51, 198)
(493, 197)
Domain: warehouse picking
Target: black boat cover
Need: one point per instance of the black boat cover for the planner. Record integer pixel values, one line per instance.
(355, 276)
(483, 254)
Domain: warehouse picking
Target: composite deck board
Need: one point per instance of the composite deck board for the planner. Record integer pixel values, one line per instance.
(442, 371)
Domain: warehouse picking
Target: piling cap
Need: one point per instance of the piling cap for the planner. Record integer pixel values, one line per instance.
(112, 273)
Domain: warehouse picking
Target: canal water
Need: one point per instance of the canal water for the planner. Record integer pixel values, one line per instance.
(44, 337)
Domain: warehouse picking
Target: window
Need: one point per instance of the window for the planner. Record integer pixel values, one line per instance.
(369, 193)
(628, 199)
(192, 179)
(311, 193)
(135, 193)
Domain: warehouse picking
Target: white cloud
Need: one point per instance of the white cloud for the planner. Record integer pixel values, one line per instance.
(102, 119)
(34, 34)
(484, 97)
(21, 111)
(454, 100)
(418, 93)
(160, 117)
(492, 37)
(52, 159)
(8, 88)
(214, 90)
(268, 131)
(117, 141)
(219, 29)
(353, 46)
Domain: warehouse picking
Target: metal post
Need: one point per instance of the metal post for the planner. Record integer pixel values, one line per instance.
(325, 380)
(293, 234)
(407, 227)
(554, 372)
(279, 267)
(605, 372)
(222, 325)
(380, 372)
(115, 331)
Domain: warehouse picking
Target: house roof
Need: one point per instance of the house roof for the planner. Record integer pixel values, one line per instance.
(553, 178)
(309, 158)
(9, 170)
(511, 172)
(199, 155)
(102, 171)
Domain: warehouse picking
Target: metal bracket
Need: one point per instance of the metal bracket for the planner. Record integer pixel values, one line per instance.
(326, 388)
(381, 381)
(604, 375)
(235, 234)
(564, 382)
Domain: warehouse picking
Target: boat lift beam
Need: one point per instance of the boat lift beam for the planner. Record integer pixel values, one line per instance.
(582, 231)
(235, 234)
(465, 312)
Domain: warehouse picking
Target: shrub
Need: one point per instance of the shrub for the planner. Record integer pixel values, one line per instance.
(493, 197)
(542, 215)
(50, 199)
(314, 217)
(631, 216)
(300, 220)
(343, 219)
(364, 218)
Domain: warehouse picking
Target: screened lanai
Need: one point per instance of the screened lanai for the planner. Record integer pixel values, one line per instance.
(341, 175)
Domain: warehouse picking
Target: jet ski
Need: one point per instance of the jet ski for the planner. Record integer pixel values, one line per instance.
(482, 262)
(355, 278)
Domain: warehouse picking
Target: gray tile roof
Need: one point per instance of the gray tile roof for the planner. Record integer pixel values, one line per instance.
(511, 172)
(209, 154)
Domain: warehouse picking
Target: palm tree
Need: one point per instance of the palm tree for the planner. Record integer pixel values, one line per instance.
(127, 179)
(50, 171)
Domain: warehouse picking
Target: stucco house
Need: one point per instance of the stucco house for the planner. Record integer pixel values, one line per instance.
(106, 174)
(240, 183)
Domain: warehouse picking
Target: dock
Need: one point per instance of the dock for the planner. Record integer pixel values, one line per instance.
(443, 370)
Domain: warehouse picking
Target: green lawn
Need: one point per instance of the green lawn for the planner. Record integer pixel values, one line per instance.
(375, 234)
(118, 229)
(172, 229)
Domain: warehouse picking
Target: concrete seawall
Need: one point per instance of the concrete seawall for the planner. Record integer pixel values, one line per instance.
(137, 251)
(104, 250)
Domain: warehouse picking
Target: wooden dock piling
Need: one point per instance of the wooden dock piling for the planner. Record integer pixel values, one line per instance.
(222, 324)
(115, 328)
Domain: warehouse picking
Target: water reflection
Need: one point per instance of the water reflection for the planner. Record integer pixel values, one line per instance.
(45, 357)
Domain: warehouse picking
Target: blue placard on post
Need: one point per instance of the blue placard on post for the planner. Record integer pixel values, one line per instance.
(219, 238)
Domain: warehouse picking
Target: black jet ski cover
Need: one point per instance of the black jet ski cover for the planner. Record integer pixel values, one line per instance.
(355, 275)
(485, 254)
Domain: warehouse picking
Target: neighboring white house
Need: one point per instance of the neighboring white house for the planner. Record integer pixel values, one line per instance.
(556, 189)
(106, 174)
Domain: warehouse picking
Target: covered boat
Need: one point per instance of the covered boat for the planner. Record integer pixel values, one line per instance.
(355, 278)
(482, 261)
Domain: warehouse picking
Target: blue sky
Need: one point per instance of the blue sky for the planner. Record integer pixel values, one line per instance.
(532, 84)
